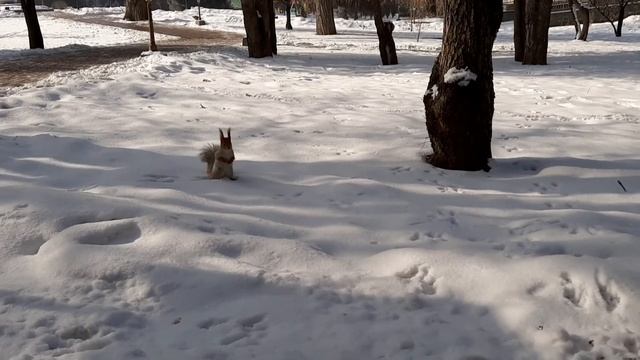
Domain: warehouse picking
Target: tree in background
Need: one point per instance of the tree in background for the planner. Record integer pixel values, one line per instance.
(33, 26)
(459, 101)
(152, 36)
(612, 11)
(537, 21)
(386, 44)
(325, 24)
(287, 9)
(581, 18)
(531, 30)
(286, 4)
(136, 10)
(519, 32)
(260, 25)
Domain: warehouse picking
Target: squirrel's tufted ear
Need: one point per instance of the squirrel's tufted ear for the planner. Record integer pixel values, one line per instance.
(229, 133)
(221, 134)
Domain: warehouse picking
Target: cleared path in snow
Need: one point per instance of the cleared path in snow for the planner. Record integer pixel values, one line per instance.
(39, 65)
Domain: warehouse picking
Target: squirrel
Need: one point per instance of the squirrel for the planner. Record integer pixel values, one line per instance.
(219, 158)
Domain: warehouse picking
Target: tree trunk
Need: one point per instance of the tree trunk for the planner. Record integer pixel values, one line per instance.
(33, 26)
(585, 18)
(459, 100)
(620, 20)
(136, 10)
(325, 24)
(537, 19)
(385, 37)
(576, 21)
(152, 35)
(519, 33)
(288, 9)
(260, 24)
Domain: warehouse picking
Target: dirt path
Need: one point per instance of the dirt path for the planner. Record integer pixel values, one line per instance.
(30, 67)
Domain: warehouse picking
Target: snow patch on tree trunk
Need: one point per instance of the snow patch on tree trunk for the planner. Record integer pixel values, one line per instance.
(433, 91)
(461, 76)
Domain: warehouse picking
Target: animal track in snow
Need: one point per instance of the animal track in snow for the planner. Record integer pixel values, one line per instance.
(607, 292)
(535, 288)
(399, 169)
(158, 178)
(572, 344)
(211, 322)
(419, 278)
(112, 233)
(248, 328)
(569, 290)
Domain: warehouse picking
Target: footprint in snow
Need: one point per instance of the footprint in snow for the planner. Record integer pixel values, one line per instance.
(158, 178)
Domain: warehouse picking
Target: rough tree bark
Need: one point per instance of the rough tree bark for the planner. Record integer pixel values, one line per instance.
(136, 10)
(33, 26)
(288, 9)
(537, 19)
(325, 25)
(519, 32)
(152, 35)
(459, 99)
(385, 37)
(260, 25)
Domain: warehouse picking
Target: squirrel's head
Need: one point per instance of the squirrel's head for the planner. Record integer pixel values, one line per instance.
(225, 142)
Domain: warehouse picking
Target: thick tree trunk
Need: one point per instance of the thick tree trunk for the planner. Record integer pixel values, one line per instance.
(519, 33)
(260, 24)
(152, 35)
(325, 25)
(288, 9)
(459, 100)
(385, 37)
(33, 26)
(136, 10)
(537, 19)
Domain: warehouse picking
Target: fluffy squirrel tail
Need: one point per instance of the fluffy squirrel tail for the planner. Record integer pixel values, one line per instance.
(208, 153)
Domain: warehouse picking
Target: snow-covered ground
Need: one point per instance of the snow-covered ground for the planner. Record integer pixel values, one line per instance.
(62, 33)
(336, 242)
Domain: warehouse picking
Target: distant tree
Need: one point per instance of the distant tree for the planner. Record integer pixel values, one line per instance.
(286, 4)
(581, 18)
(136, 10)
(531, 30)
(325, 24)
(287, 9)
(33, 26)
(152, 37)
(537, 21)
(386, 44)
(612, 11)
(260, 25)
(459, 101)
(519, 29)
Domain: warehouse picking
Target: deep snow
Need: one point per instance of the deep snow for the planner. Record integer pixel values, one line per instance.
(336, 242)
